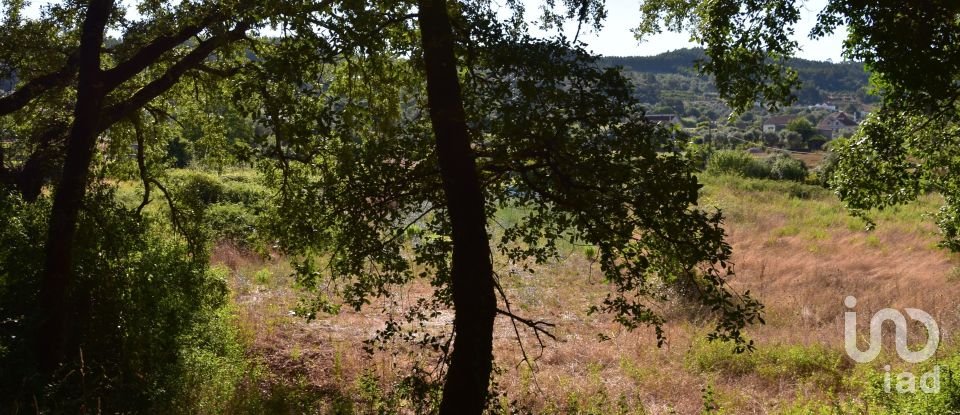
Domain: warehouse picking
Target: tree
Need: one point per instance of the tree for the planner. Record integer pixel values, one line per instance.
(367, 200)
(537, 126)
(801, 126)
(153, 56)
(471, 270)
(771, 139)
(907, 147)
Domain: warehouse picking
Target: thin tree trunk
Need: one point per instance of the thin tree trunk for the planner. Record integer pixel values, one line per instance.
(465, 390)
(70, 191)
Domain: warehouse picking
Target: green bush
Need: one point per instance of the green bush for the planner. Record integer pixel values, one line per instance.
(816, 363)
(784, 167)
(250, 195)
(227, 207)
(195, 188)
(232, 222)
(883, 389)
(737, 163)
(146, 315)
(777, 167)
(699, 154)
(826, 169)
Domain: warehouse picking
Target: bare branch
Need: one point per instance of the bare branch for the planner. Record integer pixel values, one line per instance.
(142, 164)
(538, 327)
(174, 212)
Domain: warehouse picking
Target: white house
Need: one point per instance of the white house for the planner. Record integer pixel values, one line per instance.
(839, 124)
(774, 124)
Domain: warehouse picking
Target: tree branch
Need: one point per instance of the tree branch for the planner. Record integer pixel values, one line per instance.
(32, 89)
(539, 327)
(150, 53)
(142, 165)
(174, 212)
(223, 73)
(169, 78)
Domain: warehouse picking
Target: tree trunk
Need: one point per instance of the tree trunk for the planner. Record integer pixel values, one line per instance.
(474, 300)
(70, 191)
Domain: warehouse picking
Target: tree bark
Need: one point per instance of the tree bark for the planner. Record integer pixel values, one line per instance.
(71, 189)
(474, 300)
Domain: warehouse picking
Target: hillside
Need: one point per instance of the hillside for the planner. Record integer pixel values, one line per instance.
(820, 79)
(827, 76)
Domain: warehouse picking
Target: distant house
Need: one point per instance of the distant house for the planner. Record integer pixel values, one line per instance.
(774, 124)
(664, 119)
(828, 107)
(837, 124)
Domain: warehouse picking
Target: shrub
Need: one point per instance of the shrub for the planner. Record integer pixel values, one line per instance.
(250, 195)
(817, 142)
(737, 163)
(816, 363)
(699, 154)
(195, 188)
(784, 167)
(944, 401)
(147, 314)
(233, 223)
(826, 169)
(226, 208)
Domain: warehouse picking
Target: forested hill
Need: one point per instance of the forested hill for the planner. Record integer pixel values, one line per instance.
(826, 76)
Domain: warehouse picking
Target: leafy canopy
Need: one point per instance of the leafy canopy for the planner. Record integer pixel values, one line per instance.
(557, 137)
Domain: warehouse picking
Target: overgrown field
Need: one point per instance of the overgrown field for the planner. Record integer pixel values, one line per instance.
(796, 248)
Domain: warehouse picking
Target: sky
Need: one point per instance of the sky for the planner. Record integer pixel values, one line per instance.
(615, 38)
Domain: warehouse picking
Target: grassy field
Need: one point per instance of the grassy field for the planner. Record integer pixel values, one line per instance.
(796, 248)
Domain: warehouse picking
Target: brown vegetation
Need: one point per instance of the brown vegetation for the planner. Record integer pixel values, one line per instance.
(802, 257)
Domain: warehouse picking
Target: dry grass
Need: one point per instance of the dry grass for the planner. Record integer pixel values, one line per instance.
(802, 257)
(812, 159)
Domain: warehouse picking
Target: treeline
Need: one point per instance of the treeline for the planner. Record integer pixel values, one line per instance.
(817, 77)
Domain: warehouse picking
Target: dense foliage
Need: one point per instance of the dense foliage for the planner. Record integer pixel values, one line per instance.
(150, 318)
(777, 167)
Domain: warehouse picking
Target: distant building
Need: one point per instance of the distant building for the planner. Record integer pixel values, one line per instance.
(774, 124)
(828, 107)
(837, 124)
(665, 119)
